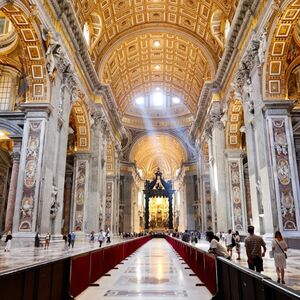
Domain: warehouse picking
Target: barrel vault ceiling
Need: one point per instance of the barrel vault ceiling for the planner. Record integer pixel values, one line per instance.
(139, 46)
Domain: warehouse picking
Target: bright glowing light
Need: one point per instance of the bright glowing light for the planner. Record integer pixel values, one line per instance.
(176, 100)
(2, 134)
(157, 67)
(159, 201)
(139, 100)
(158, 99)
(86, 33)
(227, 29)
(156, 43)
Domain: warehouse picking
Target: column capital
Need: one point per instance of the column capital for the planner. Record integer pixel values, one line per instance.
(278, 107)
(82, 155)
(235, 153)
(37, 110)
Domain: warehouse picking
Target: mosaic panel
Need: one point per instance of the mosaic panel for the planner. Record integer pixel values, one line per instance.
(283, 173)
(236, 195)
(80, 187)
(108, 205)
(32, 159)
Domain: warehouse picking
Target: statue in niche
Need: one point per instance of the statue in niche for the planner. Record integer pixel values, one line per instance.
(23, 85)
(52, 46)
(262, 47)
(54, 203)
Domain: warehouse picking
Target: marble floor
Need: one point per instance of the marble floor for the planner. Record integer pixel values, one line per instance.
(154, 271)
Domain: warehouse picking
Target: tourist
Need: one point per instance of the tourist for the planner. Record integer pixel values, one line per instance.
(279, 247)
(238, 244)
(73, 238)
(8, 242)
(47, 240)
(216, 247)
(228, 242)
(69, 239)
(92, 237)
(186, 236)
(253, 244)
(107, 236)
(101, 237)
(37, 240)
(65, 238)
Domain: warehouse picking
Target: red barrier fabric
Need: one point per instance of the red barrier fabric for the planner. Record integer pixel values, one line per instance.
(90, 266)
(80, 274)
(202, 263)
(96, 265)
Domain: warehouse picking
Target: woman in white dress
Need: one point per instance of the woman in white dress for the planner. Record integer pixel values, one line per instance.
(279, 247)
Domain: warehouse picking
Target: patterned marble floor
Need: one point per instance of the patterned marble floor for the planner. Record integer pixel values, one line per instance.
(153, 272)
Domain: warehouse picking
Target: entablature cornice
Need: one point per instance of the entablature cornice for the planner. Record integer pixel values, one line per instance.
(244, 13)
(65, 13)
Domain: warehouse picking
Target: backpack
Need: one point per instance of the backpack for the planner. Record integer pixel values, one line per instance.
(233, 242)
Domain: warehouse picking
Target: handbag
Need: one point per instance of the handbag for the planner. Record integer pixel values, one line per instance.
(285, 255)
(271, 254)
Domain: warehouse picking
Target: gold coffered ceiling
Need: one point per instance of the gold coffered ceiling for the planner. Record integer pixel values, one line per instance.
(191, 16)
(191, 35)
(138, 67)
(151, 152)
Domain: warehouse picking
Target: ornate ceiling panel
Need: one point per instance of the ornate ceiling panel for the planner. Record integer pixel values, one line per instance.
(144, 63)
(191, 16)
(151, 152)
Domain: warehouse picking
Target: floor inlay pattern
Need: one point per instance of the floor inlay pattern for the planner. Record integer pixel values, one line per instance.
(154, 272)
(145, 293)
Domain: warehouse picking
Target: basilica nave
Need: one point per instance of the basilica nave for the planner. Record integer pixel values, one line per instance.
(149, 115)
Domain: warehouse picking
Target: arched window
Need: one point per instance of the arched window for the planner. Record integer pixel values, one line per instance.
(219, 26)
(8, 79)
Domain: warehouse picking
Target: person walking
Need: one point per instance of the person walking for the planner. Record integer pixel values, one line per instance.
(37, 240)
(47, 241)
(65, 238)
(69, 239)
(238, 244)
(8, 241)
(228, 242)
(108, 236)
(253, 244)
(100, 237)
(216, 247)
(73, 238)
(279, 247)
(92, 238)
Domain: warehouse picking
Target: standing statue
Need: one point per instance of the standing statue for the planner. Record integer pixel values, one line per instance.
(262, 47)
(52, 46)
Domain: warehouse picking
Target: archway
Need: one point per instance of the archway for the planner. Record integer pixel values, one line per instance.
(78, 142)
(33, 60)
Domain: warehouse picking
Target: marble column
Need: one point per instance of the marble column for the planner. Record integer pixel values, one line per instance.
(237, 190)
(31, 174)
(13, 186)
(218, 178)
(284, 166)
(80, 191)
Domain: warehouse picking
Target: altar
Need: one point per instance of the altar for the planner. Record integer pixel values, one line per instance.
(158, 204)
